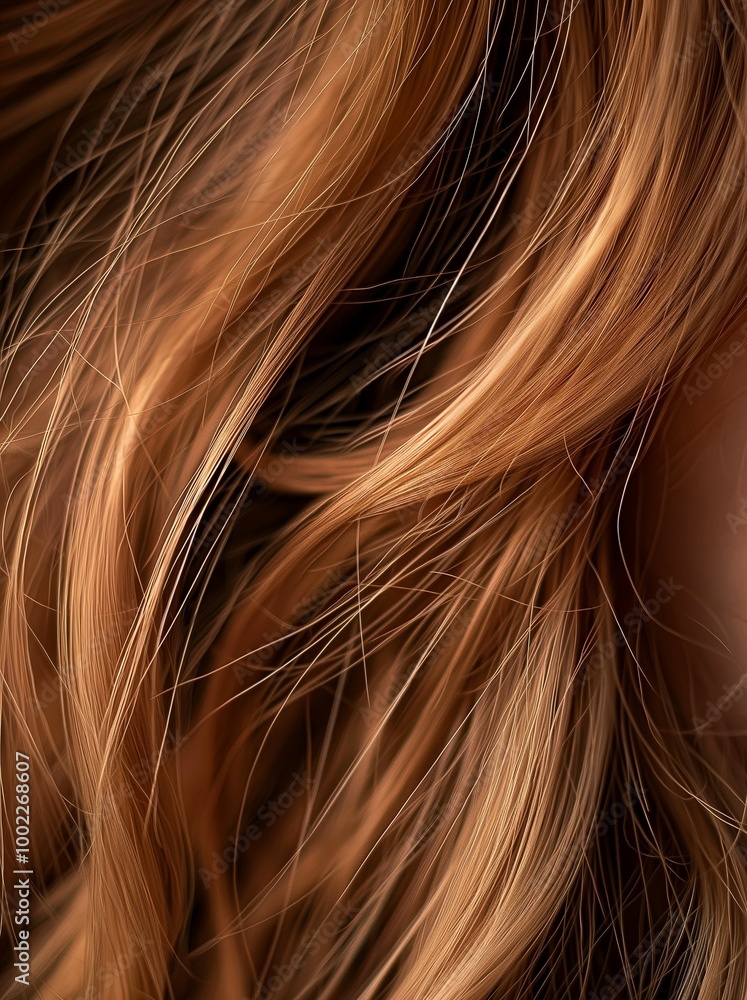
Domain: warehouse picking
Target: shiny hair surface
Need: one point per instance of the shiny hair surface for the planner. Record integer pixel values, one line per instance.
(334, 334)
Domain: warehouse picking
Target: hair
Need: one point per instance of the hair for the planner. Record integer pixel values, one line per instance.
(333, 336)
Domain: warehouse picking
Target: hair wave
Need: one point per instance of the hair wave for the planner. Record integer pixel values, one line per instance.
(333, 336)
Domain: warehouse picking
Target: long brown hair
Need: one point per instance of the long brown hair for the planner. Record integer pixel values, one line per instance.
(333, 336)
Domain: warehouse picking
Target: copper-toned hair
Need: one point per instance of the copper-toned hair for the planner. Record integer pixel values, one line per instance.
(333, 335)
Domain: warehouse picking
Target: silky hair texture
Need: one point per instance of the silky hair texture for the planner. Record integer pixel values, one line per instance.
(333, 336)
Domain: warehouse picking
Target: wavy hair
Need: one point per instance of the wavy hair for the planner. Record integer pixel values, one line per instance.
(333, 336)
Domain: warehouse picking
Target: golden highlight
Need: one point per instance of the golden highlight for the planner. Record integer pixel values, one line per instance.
(333, 336)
